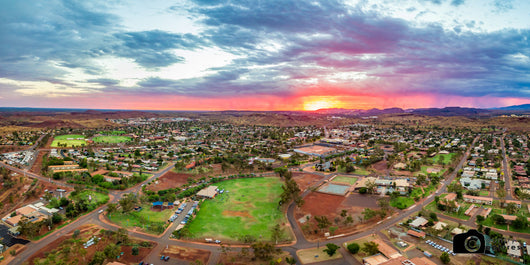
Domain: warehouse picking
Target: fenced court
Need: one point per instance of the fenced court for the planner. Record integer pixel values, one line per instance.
(334, 189)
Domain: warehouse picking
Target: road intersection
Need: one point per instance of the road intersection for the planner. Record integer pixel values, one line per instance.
(165, 239)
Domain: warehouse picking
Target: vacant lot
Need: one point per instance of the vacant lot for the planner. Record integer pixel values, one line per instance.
(68, 140)
(306, 180)
(170, 180)
(312, 255)
(69, 249)
(111, 139)
(186, 254)
(331, 206)
(247, 207)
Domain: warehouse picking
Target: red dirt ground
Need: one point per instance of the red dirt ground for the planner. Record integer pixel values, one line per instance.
(317, 203)
(170, 180)
(88, 231)
(36, 168)
(187, 254)
(328, 205)
(306, 180)
(237, 213)
(380, 166)
(11, 148)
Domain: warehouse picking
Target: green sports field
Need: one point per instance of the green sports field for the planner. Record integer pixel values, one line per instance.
(344, 179)
(111, 139)
(247, 207)
(62, 140)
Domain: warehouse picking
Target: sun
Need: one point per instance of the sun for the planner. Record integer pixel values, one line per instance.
(317, 104)
(321, 102)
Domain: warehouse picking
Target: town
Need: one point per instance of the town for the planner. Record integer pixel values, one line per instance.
(181, 189)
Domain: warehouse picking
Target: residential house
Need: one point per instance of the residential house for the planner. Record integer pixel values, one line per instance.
(478, 199)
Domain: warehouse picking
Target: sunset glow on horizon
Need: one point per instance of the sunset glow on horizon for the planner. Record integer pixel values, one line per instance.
(268, 55)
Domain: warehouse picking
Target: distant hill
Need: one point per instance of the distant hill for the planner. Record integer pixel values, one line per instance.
(451, 111)
(524, 107)
(360, 112)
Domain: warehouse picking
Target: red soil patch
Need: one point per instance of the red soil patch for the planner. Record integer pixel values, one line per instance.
(237, 213)
(306, 180)
(36, 168)
(187, 254)
(328, 205)
(86, 232)
(170, 180)
(317, 203)
(402, 173)
(380, 166)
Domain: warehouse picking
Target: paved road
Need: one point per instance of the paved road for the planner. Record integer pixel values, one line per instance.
(301, 242)
(506, 169)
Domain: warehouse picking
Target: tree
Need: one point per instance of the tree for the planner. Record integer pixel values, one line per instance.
(56, 218)
(480, 219)
(511, 208)
(445, 258)
(276, 233)
(99, 258)
(368, 213)
(520, 222)
(127, 203)
(263, 251)
(331, 249)
(370, 248)
(111, 208)
(290, 260)
(370, 186)
(344, 213)
(112, 251)
(322, 221)
(433, 216)
(501, 193)
(353, 248)
(498, 219)
(384, 203)
(122, 235)
(135, 251)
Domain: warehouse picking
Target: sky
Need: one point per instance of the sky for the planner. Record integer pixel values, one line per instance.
(264, 54)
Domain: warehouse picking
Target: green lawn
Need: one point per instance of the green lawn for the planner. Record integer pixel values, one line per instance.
(153, 222)
(344, 179)
(489, 220)
(460, 214)
(65, 137)
(484, 193)
(401, 202)
(250, 207)
(424, 171)
(446, 157)
(95, 198)
(111, 139)
(361, 171)
(422, 192)
(63, 140)
(112, 132)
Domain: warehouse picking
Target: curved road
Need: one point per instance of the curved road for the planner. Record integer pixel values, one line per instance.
(164, 240)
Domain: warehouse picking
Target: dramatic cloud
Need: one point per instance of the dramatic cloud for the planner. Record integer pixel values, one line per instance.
(273, 49)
